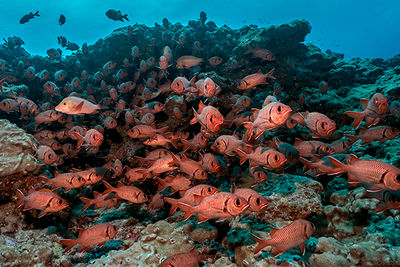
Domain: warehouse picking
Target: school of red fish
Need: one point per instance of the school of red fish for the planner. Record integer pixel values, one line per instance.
(207, 141)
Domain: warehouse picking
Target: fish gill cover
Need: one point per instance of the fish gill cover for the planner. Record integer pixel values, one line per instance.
(196, 144)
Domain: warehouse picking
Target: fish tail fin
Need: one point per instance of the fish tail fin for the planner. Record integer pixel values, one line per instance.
(69, 243)
(125, 17)
(187, 209)
(20, 196)
(174, 204)
(162, 130)
(37, 13)
(242, 156)
(79, 139)
(194, 120)
(307, 164)
(87, 201)
(261, 243)
(270, 74)
(339, 167)
(352, 138)
(2, 81)
(109, 188)
(162, 184)
(357, 116)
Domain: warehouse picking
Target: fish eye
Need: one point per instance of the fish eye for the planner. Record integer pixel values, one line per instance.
(60, 201)
(64, 103)
(237, 202)
(211, 118)
(209, 190)
(323, 125)
(115, 228)
(217, 143)
(212, 163)
(258, 201)
(276, 157)
(398, 178)
(279, 109)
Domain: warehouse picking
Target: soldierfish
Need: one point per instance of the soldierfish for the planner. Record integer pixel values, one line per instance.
(374, 110)
(188, 61)
(97, 234)
(192, 196)
(74, 105)
(253, 80)
(131, 194)
(266, 157)
(256, 201)
(292, 235)
(177, 183)
(65, 180)
(378, 133)
(228, 144)
(260, 53)
(189, 259)
(43, 200)
(209, 117)
(378, 174)
(220, 205)
(319, 124)
(99, 201)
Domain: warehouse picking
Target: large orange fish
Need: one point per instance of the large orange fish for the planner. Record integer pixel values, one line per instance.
(379, 174)
(189, 259)
(74, 105)
(97, 234)
(43, 200)
(221, 205)
(209, 117)
(290, 236)
(253, 80)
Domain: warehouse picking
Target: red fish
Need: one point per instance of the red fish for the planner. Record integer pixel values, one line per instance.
(97, 234)
(209, 117)
(43, 200)
(130, 193)
(378, 174)
(65, 180)
(189, 259)
(256, 201)
(253, 80)
(99, 201)
(221, 205)
(292, 235)
(73, 105)
(378, 133)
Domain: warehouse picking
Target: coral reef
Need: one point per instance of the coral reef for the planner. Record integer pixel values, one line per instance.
(17, 150)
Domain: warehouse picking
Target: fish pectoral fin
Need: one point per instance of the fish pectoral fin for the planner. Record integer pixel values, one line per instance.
(303, 249)
(42, 213)
(79, 106)
(374, 189)
(101, 244)
(222, 219)
(201, 218)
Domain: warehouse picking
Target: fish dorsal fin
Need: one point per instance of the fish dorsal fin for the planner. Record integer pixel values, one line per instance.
(96, 194)
(362, 130)
(297, 141)
(273, 231)
(44, 190)
(201, 106)
(259, 72)
(120, 184)
(79, 106)
(364, 103)
(353, 157)
(56, 173)
(80, 231)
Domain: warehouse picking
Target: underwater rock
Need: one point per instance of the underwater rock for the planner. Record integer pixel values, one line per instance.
(348, 206)
(17, 150)
(293, 197)
(156, 242)
(282, 40)
(41, 250)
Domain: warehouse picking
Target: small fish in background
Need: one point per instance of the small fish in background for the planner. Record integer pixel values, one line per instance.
(46, 155)
(265, 157)
(189, 259)
(97, 234)
(116, 15)
(253, 80)
(131, 194)
(290, 236)
(312, 149)
(43, 200)
(390, 199)
(209, 117)
(72, 46)
(65, 180)
(28, 17)
(99, 202)
(61, 20)
(377, 133)
(263, 54)
(215, 60)
(188, 62)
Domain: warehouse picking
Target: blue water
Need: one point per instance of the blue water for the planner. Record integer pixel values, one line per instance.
(368, 28)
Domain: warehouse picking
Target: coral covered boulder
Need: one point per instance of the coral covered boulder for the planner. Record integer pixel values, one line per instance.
(17, 150)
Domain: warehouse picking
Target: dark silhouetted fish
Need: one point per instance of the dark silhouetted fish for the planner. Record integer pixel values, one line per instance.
(28, 17)
(116, 15)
